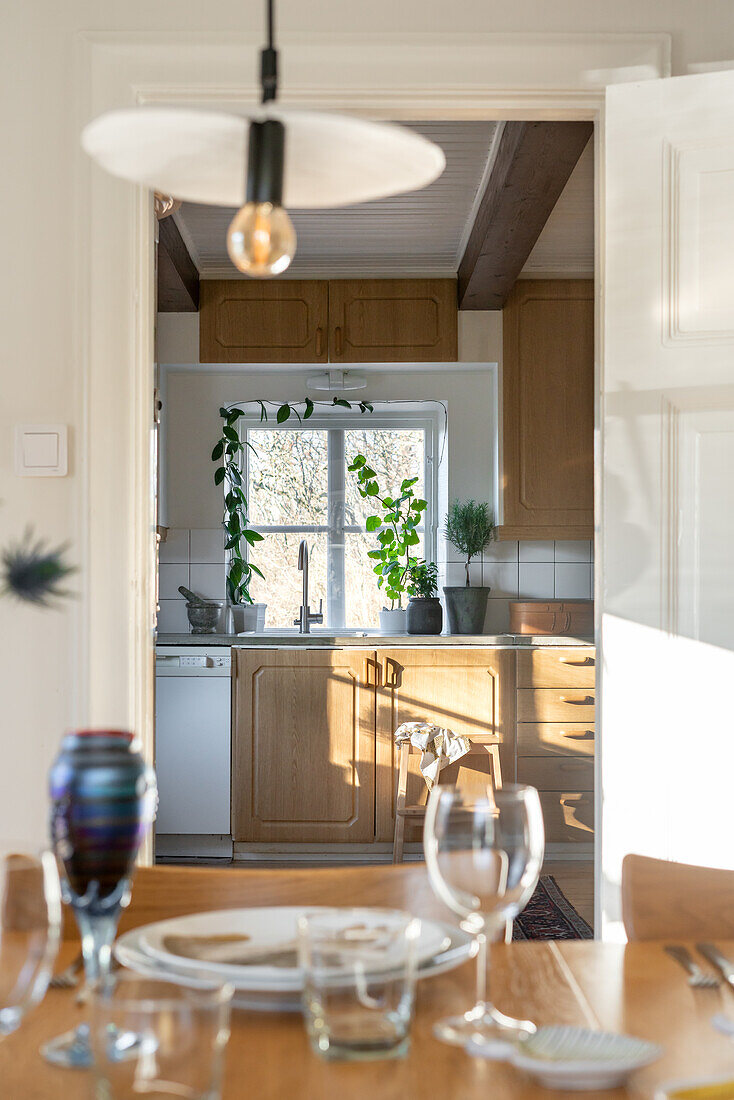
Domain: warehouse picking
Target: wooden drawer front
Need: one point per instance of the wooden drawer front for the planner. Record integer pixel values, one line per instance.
(555, 705)
(568, 816)
(556, 775)
(571, 739)
(547, 668)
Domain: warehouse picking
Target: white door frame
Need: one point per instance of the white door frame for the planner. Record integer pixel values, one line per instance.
(421, 76)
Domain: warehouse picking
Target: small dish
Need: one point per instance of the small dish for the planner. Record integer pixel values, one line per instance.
(697, 1088)
(573, 1058)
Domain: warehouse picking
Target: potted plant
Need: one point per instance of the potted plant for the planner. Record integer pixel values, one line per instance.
(396, 534)
(469, 527)
(425, 614)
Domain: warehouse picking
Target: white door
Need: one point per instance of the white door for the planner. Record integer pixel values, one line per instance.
(667, 534)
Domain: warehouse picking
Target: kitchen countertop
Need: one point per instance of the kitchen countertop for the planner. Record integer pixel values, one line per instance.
(393, 641)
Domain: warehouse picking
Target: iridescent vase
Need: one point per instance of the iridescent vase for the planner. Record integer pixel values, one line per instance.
(103, 800)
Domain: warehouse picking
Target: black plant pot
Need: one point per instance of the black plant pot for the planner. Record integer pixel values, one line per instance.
(467, 608)
(425, 615)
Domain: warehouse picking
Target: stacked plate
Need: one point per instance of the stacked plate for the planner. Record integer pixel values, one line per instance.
(255, 951)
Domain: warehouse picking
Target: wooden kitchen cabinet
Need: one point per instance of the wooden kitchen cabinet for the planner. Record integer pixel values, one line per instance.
(264, 321)
(548, 410)
(472, 691)
(303, 746)
(393, 321)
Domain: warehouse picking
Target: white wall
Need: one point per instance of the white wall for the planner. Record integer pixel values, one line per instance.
(43, 656)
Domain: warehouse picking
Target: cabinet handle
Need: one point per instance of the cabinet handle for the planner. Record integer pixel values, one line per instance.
(338, 342)
(587, 699)
(587, 735)
(319, 341)
(393, 673)
(585, 663)
(371, 663)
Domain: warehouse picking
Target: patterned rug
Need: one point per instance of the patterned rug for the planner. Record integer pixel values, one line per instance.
(549, 915)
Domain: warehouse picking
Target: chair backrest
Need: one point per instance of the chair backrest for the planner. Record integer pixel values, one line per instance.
(676, 901)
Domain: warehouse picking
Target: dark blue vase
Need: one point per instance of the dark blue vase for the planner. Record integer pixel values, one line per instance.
(103, 799)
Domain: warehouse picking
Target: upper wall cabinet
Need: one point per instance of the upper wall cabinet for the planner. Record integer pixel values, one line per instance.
(392, 321)
(343, 321)
(548, 410)
(283, 321)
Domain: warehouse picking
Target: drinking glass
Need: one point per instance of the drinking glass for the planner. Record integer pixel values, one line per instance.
(158, 1040)
(103, 800)
(30, 923)
(484, 857)
(359, 981)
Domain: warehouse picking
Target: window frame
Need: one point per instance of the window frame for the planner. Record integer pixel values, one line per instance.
(405, 418)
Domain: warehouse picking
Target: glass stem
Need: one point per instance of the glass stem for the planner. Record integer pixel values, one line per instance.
(98, 934)
(482, 972)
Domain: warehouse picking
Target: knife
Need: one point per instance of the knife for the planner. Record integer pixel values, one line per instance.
(714, 956)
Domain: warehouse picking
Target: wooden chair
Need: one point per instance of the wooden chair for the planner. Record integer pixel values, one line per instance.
(417, 813)
(676, 901)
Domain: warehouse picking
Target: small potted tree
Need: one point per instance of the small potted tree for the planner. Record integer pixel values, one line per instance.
(396, 534)
(469, 527)
(425, 614)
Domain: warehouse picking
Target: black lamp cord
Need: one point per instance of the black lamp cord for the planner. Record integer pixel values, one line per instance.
(269, 61)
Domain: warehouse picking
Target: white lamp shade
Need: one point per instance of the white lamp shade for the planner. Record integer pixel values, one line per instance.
(200, 156)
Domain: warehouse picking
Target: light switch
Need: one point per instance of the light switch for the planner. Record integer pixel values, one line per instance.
(41, 450)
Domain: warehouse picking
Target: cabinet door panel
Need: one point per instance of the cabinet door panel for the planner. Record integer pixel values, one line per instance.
(548, 410)
(555, 739)
(555, 705)
(471, 692)
(263, 322)
(392, 320)
(556, 775)
(304, 746)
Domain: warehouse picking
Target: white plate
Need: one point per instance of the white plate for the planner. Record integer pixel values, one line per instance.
(574, 1058)
(265, 927)
(456, 948)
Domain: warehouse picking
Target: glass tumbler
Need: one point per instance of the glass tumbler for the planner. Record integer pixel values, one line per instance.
(359, 981)
(155, 1039)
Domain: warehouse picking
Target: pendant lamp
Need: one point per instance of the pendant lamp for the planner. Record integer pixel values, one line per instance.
(262, 162)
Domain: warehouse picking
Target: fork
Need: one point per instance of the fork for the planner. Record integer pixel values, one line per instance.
(697, 978)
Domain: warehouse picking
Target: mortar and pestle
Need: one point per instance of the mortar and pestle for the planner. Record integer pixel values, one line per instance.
(203, 614)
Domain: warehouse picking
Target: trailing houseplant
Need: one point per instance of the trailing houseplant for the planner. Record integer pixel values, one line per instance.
(396, 533)
(469, 527)
(425, 614)
(228, 453)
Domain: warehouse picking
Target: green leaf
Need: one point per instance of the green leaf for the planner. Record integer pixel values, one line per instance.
(371, 489)
(387, 536)
(224, 413)
(218, 451)
(368, 472)
(387, 502)
(233, 543)
(407, 483)
(234, 475)
(309, 409)
(283, 413)
(234, 415)
(368, 405)
(230, 433)
(252, 537)
(343, 402)
(263, 412)
(411, 538)
(357, 462)
(375, 554)
(254, 569)
(219, 476)
(373, 523)
(418, 505)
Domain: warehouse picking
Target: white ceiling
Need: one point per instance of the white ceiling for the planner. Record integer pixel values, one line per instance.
(421, 233)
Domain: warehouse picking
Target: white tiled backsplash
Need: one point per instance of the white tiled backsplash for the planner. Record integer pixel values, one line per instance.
(195, 559)
(537, 570)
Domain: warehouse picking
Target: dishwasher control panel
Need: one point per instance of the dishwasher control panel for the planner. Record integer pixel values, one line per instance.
(193, 661)
(217, 660)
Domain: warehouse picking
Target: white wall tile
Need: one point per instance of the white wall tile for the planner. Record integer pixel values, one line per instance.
(540, 550)
(502, 578)
(208, 581)
(497, 620)
(571, 550)
(537, 580)
(456, 575)
(172, 618)
(207, 546)
(176, 546)
(501, 551)
(573, 581)
(169, 578)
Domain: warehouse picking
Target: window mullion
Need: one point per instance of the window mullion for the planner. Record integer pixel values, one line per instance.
(335, 600)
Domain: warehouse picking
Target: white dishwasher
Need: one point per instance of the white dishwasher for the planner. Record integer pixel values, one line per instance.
(192, 750)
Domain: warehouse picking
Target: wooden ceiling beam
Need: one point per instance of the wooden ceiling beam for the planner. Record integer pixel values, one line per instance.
(178, 277)
(531, 167)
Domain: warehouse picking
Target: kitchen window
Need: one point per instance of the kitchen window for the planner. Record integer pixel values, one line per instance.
(298, 486)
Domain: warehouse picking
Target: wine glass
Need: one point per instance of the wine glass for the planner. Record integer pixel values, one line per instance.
(103, 800)
(30, 924)
(484, 857)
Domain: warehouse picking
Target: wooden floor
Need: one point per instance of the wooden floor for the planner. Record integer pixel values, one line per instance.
(576, 880)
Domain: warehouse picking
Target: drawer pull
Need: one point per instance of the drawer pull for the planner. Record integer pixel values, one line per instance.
(587, 700)
(584, 663)
(586, 735)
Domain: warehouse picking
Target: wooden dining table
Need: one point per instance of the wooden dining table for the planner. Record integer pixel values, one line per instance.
(636, 989)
